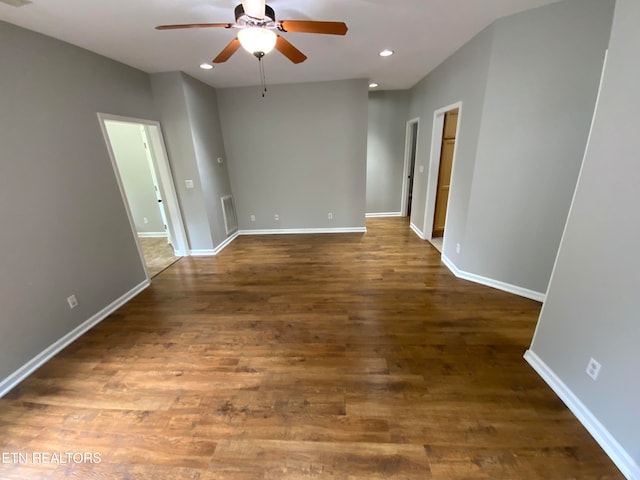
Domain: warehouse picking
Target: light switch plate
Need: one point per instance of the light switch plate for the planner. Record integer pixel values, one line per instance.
(188, 183)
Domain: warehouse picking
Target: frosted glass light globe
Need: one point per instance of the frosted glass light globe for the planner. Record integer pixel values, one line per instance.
(257, 39)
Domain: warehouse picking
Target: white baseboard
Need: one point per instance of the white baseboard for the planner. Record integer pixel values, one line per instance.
(36, 362)
(609, 444)
(202, 253)
(224, 244)
(490, 282)
(214, 251)
(218, 249)
(152, 234)
(383, 214)
(296, 231)
(417, 231)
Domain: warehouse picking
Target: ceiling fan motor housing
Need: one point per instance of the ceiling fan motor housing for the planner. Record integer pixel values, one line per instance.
(243, 19)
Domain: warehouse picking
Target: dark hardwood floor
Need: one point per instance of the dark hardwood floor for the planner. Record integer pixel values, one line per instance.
(347, 356)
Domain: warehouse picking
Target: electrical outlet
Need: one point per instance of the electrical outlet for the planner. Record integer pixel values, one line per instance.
(145, 220)
(330, 216)
(421, 169)
(73, 301)
(188, 183)
(253, 218)
(457, 248)
(593, 368)
(276, 217)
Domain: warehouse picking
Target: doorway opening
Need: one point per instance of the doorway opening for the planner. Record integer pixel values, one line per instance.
(443, 150)
(410, 154)
(141, 166)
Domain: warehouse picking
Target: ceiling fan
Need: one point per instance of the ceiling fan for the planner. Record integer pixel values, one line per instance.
(257, 23)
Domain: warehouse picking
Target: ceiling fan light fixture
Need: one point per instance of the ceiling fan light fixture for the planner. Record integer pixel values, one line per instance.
(386, 53)
(206, 66)
(257, 40)
(373, 85)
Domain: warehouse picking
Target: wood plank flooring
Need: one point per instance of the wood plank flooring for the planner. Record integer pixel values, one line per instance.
(350, 356)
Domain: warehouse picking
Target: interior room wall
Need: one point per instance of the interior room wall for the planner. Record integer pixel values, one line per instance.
(170, 100)
(543, 80)
(135, 173)
(65, 228)
(388, 115)
(523, 125)
(592, 303)
(462, 77)
(300, 152)
(204, 119)
(191, 126)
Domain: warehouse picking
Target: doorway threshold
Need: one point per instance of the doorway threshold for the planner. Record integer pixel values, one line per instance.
(437, 242)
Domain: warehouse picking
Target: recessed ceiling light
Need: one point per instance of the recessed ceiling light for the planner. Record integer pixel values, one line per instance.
(206, 66)
(373, 85)
(386, 53)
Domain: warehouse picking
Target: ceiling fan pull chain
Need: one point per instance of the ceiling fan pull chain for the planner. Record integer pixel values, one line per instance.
(263, 80)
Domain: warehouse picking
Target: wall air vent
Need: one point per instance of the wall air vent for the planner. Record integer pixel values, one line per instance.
(16, 3)
(229, 212)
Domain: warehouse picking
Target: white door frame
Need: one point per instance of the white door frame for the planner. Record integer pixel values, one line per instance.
(407, 162)
(160, 162)
(148, 152)
(434, 169)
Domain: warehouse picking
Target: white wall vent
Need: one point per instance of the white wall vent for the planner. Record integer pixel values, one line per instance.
(229, 212)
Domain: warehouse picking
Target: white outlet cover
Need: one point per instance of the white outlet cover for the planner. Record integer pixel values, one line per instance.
(188, 183)
(421, 168)
(72, 301)
(593, 369)
(253, 218)
(276, 217)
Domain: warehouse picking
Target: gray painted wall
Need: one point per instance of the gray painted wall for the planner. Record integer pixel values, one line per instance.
(543, 80)
(64, 226)
(191, 127)
(170, 100)
(388, 115)
(462, 77)
(135, 173)
(300, 152)
(204, 119)
(528, 85)
(592, 303)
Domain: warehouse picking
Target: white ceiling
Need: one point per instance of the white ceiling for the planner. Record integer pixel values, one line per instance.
(421, 32)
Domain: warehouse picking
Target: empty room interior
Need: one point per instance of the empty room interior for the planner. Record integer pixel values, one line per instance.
(366, 241)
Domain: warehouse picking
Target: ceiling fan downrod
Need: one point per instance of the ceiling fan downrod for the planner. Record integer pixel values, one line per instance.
(244, 19)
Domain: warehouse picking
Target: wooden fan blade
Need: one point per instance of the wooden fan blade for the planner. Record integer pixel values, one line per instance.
(227, 51)
(289, 51)
(194, 25)
(309, 26)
